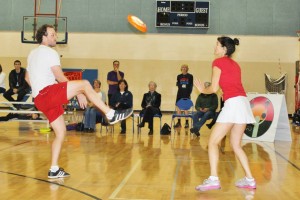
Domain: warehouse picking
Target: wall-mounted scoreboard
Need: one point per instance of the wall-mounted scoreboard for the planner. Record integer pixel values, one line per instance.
(187, 14)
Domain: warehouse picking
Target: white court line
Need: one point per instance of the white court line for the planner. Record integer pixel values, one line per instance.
(124, 181)
(175, 180)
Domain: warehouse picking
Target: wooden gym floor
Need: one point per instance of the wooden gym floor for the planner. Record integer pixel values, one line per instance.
(138, 166)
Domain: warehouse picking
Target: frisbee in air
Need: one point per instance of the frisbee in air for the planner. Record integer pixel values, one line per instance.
(137, 23)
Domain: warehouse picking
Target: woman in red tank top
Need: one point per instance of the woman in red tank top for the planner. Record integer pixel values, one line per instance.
(235, 114)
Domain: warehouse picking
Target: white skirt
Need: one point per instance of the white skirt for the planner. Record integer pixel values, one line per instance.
(236, 110)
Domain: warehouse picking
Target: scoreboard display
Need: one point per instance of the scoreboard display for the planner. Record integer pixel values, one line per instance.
(190, 14)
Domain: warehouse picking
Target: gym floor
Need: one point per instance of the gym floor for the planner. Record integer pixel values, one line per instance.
(135, 166)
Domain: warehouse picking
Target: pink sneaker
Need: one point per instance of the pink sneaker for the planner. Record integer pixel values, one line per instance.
(244, 183)
(209, 184)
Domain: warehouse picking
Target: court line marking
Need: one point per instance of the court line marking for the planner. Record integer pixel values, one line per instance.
(46, 181)
(175, 180)
(15, 145)
(284, 158)
(124, 181)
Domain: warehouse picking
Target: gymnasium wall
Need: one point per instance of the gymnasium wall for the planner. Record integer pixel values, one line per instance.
(99, 34)
(240, 17)
(158, 57)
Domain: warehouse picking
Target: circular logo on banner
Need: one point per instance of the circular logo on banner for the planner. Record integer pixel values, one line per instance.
(263, 111)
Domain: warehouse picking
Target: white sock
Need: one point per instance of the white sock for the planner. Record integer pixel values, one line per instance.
(110, 114)
(214, 178)
(249, 179)
(54, 168)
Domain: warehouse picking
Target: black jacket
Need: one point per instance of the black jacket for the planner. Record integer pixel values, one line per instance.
(125, 100)
(154, 100)
(13, 80)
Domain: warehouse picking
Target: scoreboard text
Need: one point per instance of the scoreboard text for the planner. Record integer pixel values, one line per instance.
(193, 14)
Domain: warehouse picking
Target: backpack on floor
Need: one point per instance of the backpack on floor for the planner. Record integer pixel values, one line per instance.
(71, 127)
(165, 130)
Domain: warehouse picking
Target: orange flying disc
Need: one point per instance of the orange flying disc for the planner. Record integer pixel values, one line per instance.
(137, 23)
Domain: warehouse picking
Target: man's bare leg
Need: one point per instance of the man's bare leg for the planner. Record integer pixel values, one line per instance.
(76, 88)
(59, 128)
(84, 87)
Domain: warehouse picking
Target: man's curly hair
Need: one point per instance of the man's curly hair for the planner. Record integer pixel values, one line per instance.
(42, 31)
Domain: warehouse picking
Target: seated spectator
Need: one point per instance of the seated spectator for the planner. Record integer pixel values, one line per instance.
(206, 106)
(2, 81)
(122, 99)
(92, 113)
(17, 84)
(150, 104)
(9, 116)
(210, 125)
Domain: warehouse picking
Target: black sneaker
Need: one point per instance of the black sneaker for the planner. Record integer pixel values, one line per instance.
(60, 173)
(192, 130)
(209, 126)
(121, 115)
(186, 125)
(177, 125)
(91, 130)
(195, 131)
(141, 125)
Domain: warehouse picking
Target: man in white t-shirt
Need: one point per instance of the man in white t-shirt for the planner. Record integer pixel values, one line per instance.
(51, 89)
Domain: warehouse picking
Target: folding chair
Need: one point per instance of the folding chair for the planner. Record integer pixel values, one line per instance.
(141, 118)
(100, 120)
(184, 104)
(106, 125)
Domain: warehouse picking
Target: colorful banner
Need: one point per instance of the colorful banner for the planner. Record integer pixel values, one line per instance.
(73, 75)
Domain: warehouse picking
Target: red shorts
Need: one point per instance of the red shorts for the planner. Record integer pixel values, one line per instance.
(50, 100)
